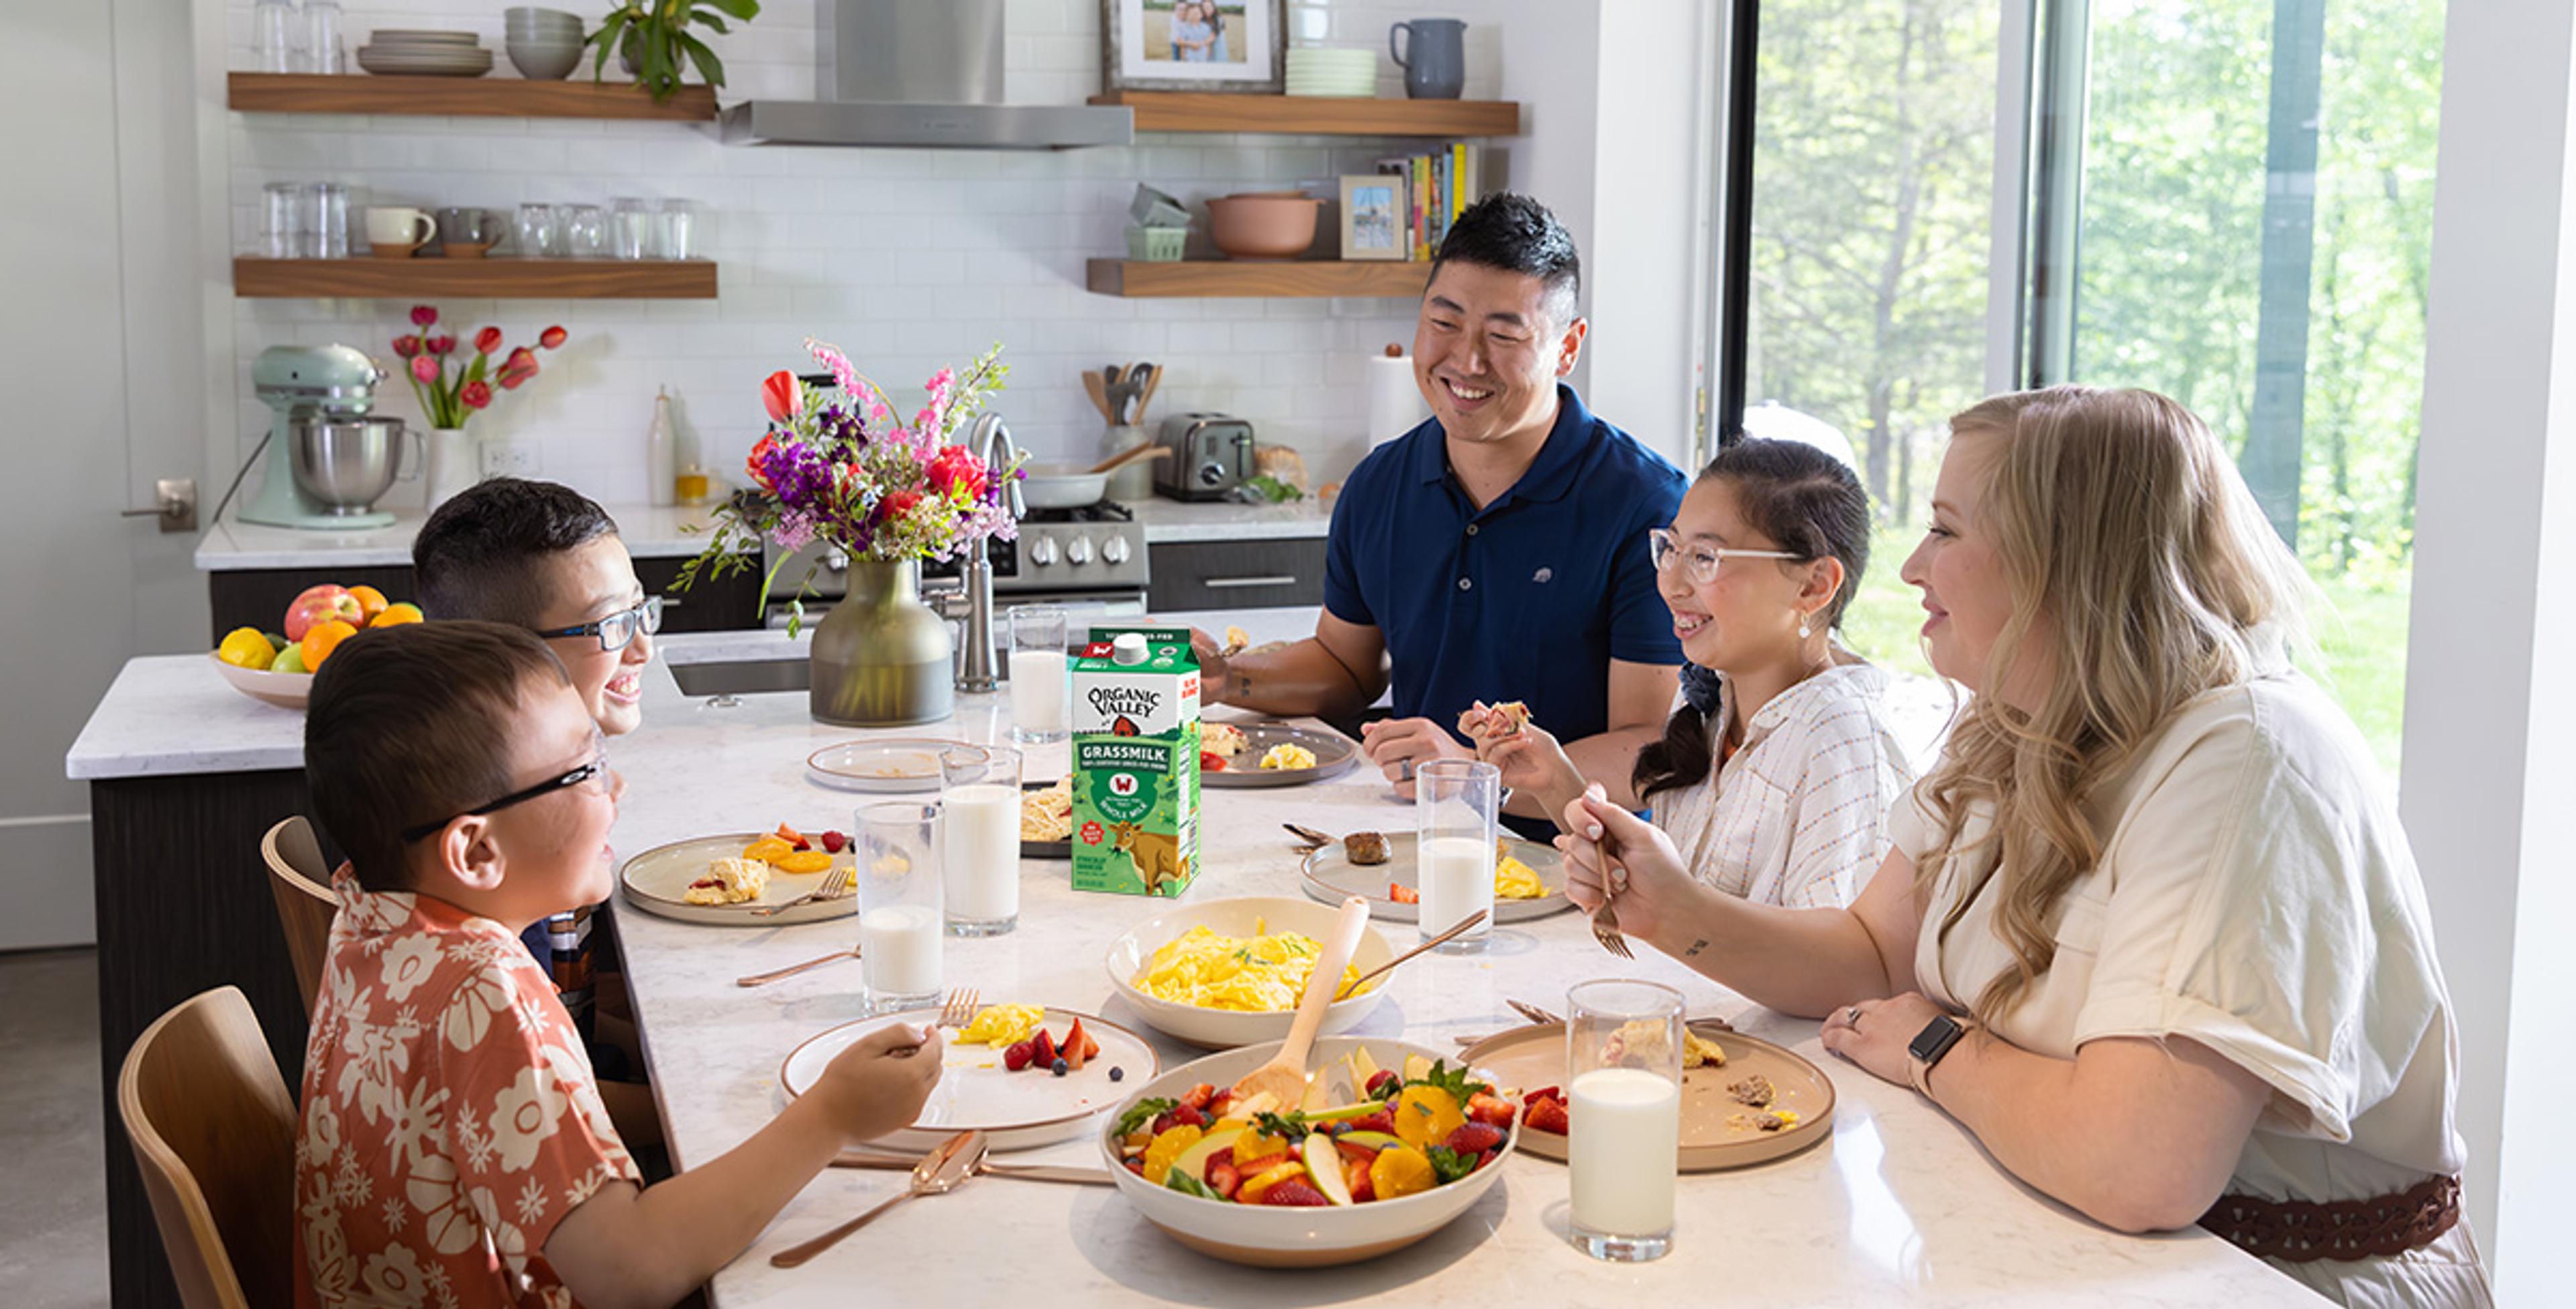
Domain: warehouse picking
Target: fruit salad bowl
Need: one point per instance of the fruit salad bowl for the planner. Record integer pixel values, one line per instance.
(1243, 916)
(1305, 1229)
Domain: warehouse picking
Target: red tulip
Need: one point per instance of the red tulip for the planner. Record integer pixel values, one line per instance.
(425, 369)
(781, 394)
(897, 504)
(423, 315)
(760, 448)
(475, 394)
(487, 340)
(406, 346)
(518, 368)
(440, 345)
(552, 337)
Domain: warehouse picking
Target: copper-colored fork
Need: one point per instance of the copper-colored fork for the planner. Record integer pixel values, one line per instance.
(960, 1008)
(1605, 929)
(836, 885)
(764, 979)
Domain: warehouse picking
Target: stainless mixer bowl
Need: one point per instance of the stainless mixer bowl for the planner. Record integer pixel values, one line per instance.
(346, 462)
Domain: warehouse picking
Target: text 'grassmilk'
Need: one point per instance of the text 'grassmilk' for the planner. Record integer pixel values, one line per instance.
(1135, 725)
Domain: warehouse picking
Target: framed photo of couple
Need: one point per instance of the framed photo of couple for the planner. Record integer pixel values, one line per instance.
(1194, 45)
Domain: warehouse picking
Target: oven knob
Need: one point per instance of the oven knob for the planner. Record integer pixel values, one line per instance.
(836, 561)
(1042, 551)
(1078, 550)
(1114, 550)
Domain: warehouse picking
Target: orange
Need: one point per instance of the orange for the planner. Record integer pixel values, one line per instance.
(321, 639)
(395, 615)
(1399, 1171)
(804, 861)
(371, 602)
(1255, 1187)
(1426, 1115)
(1165, 1149)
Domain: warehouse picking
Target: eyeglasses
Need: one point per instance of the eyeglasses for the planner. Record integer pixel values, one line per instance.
(595, 772)
(617, 631)
(1699, 562)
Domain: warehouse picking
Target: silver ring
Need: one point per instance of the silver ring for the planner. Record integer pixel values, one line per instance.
(1852, 1016)
(1404, 771)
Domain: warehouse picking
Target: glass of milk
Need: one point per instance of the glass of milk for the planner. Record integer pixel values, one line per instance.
(1038, 673)
(1623, 1047)
(1453, 817)
(897, 846)
(979, 838)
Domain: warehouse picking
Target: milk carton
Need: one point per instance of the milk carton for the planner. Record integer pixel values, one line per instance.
(1135, 723)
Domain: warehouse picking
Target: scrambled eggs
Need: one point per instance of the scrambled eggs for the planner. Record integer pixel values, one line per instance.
(728, 881)
(1288, 754)
(1258, 974)
(1514, 880)
(1002, 1025)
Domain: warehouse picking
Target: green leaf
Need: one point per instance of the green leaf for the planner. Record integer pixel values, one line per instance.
(709, 67)
(1182, 1182)
(1143, 1112)
(1455, 1081)
(474, 370)
(744, 10)
(1291, 1126)
(1449, 1165)
(706, 18)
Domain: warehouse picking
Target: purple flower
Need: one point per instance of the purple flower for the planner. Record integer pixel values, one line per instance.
(795, 530)
(802, 477)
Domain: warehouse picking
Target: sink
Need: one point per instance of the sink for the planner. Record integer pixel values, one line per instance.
(744, 677)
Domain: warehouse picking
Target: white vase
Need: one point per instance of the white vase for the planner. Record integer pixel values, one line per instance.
(454, 464)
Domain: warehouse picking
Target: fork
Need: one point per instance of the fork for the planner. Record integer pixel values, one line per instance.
(1605, 929)
(960, 1008)
(764, 979)
(836, 885)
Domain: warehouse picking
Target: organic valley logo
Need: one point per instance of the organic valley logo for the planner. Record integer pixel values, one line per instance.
(1124, 702)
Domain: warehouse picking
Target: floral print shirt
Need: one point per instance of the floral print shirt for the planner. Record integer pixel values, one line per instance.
(450, 1116)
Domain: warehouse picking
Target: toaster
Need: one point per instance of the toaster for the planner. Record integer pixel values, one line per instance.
(1211, 455)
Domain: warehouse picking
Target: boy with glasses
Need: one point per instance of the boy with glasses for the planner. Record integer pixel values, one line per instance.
(454, 1143)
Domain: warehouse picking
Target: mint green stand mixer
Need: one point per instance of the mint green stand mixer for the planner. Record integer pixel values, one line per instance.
(329, 457)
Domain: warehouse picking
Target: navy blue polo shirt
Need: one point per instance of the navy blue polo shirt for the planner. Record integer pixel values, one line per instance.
(1529, 598)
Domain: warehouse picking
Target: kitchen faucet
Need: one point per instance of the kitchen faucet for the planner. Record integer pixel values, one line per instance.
(989, 440)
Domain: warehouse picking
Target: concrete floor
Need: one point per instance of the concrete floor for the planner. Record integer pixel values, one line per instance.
(53, 1202)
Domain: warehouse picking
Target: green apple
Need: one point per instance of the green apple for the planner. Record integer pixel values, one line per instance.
(289, 660)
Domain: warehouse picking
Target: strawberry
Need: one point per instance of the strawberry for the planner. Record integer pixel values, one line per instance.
(1556, 1093)
(1220, 1102)
(1185, 1116)
(1402, 894)
(793, 837)
(1363, 1190)
(1042, 1049)
(1384, 1084)
(1223, 1177)
(1224, 1156)
(1475, 1138)
(1163, 1123)
(1017, 1057)
(1090, 1044)
(1072, 1049)
(1546, 1116)
(1136, 1165)
(1490, 1110)
(1197, 1097)
(1483, 1159)
(1356, 1153)
(833, 842)
(1296, 1195)
(1211, 762)
(1256, 1167)
(1381, 1121)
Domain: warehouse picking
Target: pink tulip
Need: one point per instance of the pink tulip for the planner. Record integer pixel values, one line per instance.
(423, 315)
(552, 337)
(425, 370)
(487, 340)
(475, 394)
(782, 396)
(406, 346)
(441, 345)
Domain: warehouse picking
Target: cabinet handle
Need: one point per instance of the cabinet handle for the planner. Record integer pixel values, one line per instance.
(672, 602)
(1236, 583)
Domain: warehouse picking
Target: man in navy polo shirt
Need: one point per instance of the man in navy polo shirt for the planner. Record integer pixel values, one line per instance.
(1498, 551)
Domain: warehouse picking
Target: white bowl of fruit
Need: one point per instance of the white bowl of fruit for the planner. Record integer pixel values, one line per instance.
(277, 667)
(1392, 1146)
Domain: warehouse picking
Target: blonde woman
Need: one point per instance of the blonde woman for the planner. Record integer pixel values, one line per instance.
(2150, 929)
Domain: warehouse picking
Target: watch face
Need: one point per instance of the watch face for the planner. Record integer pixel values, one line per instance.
(1935, 1038)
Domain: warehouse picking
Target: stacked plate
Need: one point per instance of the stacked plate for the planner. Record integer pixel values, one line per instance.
(1326, 71)
(424, 54)
(544, 44)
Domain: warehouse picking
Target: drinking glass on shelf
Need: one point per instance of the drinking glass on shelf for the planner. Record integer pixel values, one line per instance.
(630, 229)
(979, 838)
(678, 239)
(322, 27)
(1454, 852)
(1623, 1048)
(540, 235)
(326, 221)
(896, 845)
(281, 220)
(1038, 673)
(273, 37)
(585, 232)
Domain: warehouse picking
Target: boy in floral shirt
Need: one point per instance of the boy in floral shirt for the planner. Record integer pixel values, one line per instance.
(454, 1151)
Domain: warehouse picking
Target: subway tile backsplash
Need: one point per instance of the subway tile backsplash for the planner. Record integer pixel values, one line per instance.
(907, 259)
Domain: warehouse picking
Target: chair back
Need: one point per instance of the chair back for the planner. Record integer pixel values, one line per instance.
(213, 1131)
(301, 885)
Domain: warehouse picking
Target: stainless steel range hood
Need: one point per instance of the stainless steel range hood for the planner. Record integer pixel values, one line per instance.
(918, 74)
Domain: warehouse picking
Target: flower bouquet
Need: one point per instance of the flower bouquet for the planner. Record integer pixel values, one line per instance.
(447, 398)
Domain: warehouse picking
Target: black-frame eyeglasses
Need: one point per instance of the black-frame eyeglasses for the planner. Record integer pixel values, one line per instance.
(596, 768)
(617, 631)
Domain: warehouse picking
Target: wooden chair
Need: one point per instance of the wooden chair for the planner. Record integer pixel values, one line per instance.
(213, 1130)
(301, 885)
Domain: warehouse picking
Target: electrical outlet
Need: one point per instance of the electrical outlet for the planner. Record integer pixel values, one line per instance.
(509, 459)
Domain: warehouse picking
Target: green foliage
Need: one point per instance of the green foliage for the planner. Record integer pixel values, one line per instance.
(653, 36)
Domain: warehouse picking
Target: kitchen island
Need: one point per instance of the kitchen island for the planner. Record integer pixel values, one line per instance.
(1900, 1205)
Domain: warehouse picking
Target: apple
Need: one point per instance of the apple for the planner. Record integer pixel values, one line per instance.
(322, 604)
(289, 660)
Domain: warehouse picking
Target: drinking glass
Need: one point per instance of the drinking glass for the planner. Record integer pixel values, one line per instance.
(1453, 823)
(273, 36)
(896, 844)
(585, 232)
(1038, 672)
(326, 221)
(539, 234)
(1623, 1053)
(630, 229)
(678, 239)
(281, 212)
(979, 838)
(323, 49)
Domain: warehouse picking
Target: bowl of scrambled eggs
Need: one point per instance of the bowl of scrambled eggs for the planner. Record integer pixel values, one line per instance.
(1227, 973)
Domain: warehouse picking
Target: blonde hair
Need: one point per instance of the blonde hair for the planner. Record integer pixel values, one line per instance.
(2141, 575)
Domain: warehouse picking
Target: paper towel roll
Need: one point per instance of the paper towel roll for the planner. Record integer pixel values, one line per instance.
(1394, 403)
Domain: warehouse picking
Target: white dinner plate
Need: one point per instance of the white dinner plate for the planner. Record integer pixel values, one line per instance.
(657, 882)
(1334, 755)
(893, 764)
(1330, 875)
(1016, 1111)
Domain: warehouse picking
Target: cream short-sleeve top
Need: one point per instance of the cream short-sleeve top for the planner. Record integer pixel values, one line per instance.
(2256, 895)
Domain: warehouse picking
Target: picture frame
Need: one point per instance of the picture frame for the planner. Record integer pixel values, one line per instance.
(1373, 216)
(1194, 45)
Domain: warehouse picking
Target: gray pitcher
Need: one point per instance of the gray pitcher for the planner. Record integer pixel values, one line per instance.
(1434, 60)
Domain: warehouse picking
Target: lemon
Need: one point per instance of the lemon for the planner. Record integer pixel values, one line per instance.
(245, 647)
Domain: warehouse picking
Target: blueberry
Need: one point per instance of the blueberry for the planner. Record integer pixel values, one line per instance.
(1117, 1074)
(1060, 1067)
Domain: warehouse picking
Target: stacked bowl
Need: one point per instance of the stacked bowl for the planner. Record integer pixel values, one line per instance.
(424, 54)
(1326, 71)
(544, 44)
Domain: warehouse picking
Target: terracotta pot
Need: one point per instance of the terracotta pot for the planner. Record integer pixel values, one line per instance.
(1264, 225)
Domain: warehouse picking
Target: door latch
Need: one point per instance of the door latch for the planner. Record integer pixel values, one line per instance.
(174, 502)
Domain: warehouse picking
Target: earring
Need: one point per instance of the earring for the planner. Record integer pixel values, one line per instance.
(1802, 627)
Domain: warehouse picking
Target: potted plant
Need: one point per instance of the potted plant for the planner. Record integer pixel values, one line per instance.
(652, 40)
(452, 389)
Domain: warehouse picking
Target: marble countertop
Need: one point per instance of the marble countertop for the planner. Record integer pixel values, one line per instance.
(663, 532)
(1899, 1206)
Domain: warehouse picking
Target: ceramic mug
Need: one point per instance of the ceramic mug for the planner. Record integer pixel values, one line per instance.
(1434, 60)
(394, 232)
(467, 233)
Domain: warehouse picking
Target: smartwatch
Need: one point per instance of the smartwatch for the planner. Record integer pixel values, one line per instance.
(1929, 1045)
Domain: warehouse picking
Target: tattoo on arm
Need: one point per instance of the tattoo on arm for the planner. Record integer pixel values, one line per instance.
(1695, 948)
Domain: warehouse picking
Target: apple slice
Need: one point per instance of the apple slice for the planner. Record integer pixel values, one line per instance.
(1324, 1164)
(1193, 1161)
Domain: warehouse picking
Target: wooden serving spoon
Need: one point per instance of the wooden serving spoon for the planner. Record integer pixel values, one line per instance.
(1284, 1077)
(1130, 455)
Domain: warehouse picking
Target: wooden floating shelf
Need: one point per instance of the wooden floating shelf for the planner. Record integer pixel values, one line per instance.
(487, 97)
(1273, 279)
(1298, 115)
(365, 278)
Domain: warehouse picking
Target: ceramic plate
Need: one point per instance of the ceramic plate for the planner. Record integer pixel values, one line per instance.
(1043, 849)
(657, 880)
(430, 36)
(1330, 875)
(1528, 1058)
(1334, 755)
(890, 764)
(1018, 1111)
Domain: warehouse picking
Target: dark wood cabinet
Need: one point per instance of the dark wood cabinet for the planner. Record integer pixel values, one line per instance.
(1250, 574)
(258, 597)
